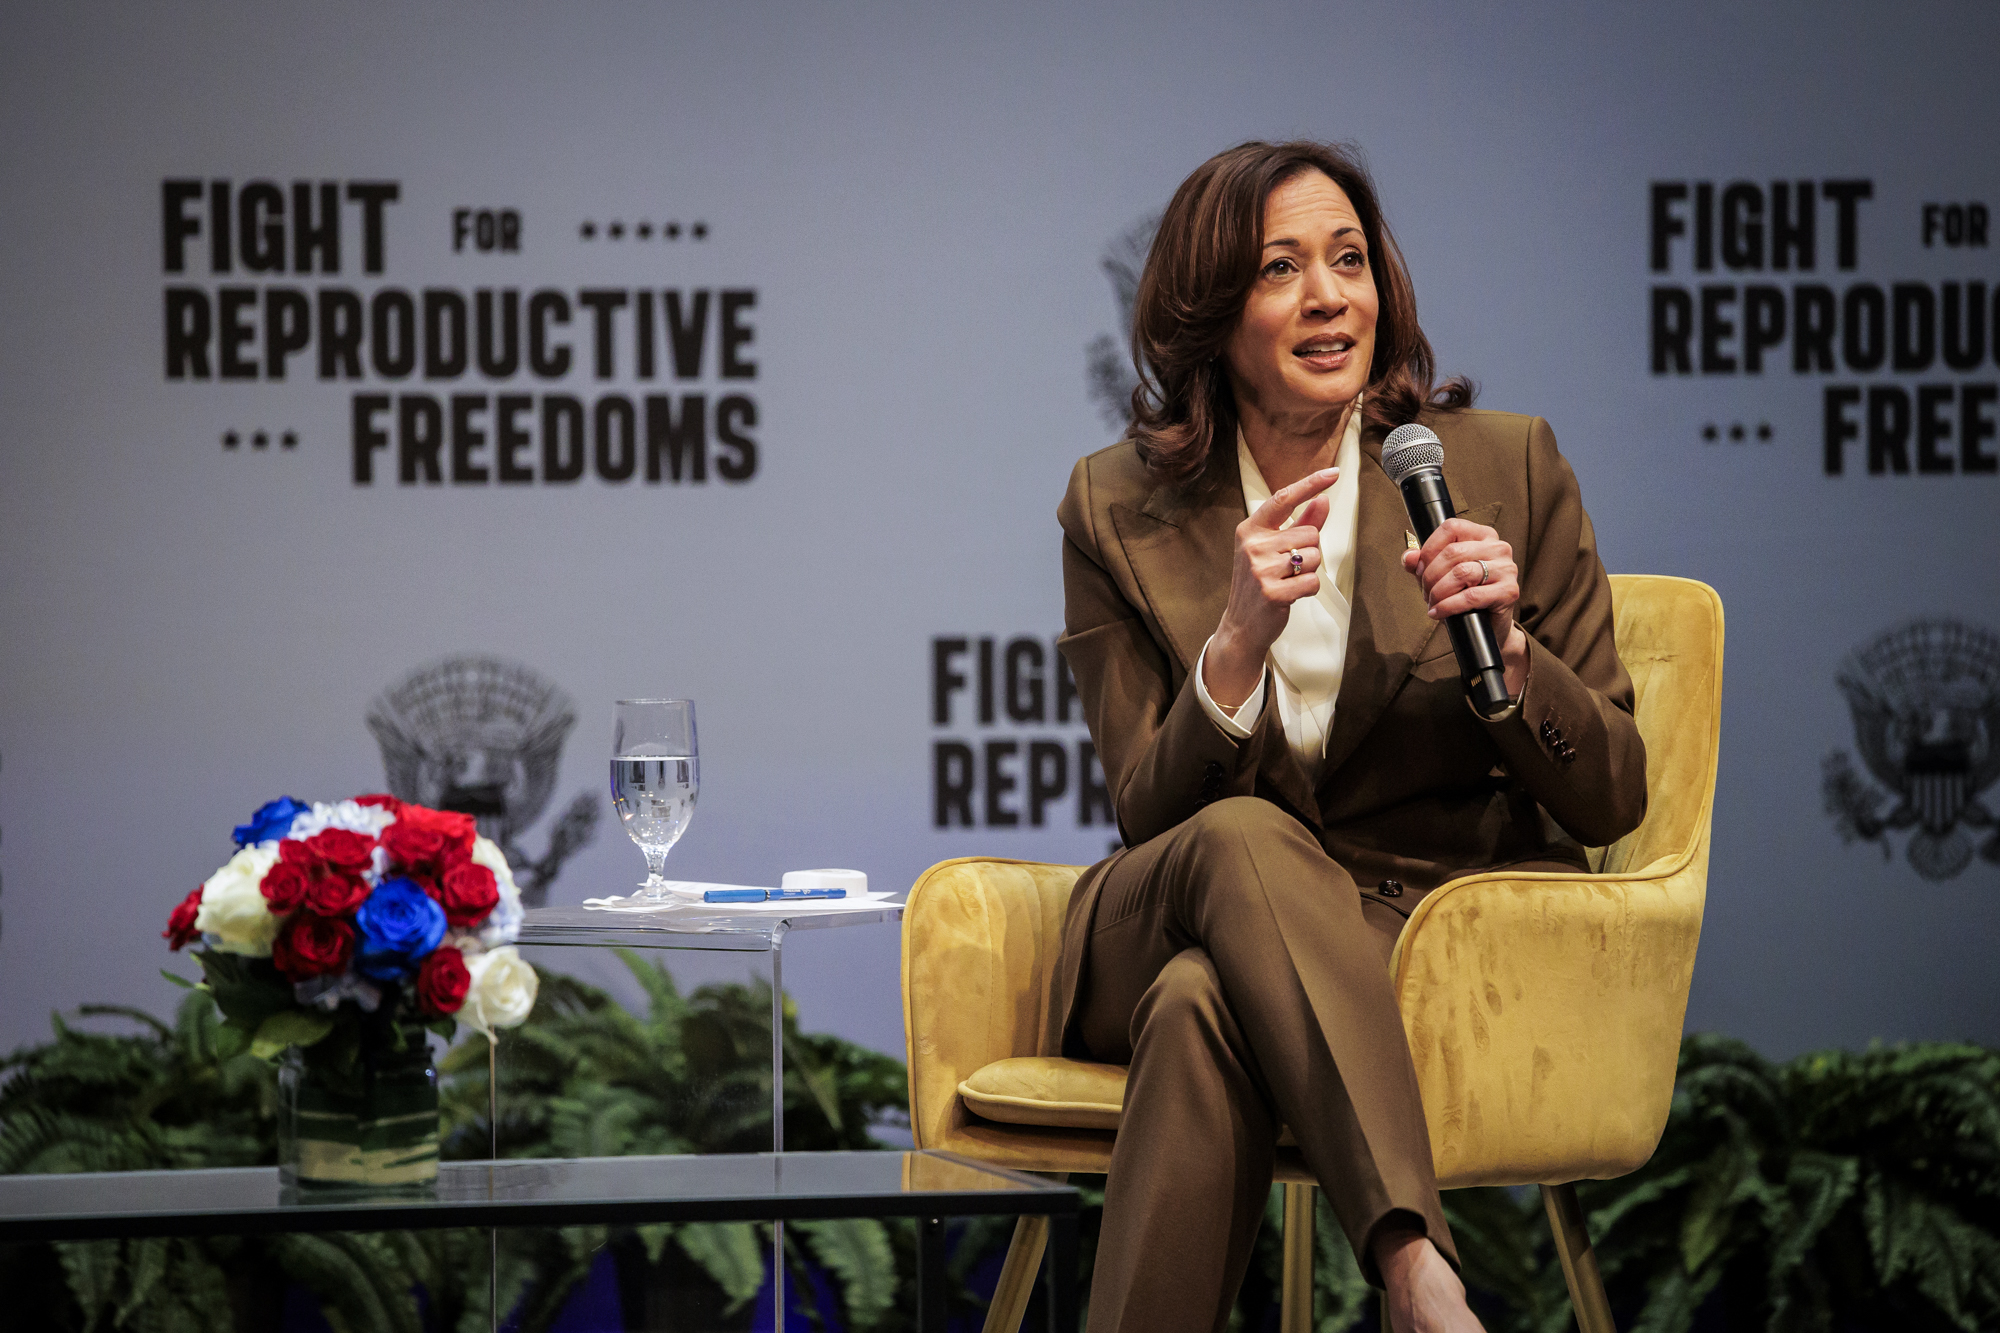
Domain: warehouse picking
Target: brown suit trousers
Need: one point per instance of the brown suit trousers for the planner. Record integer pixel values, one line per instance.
(1235, 953)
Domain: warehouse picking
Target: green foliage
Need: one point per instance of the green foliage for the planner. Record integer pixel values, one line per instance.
(259, 1005)
(288, 1027)
(161, 1099)
(585, 1077)
(1866, 1184)
(1509, 1259)
(246, 990)
(857, 1252)
(1859, 1185)
(166, 1098)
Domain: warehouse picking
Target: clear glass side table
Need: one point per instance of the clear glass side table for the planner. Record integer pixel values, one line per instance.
(703, 928)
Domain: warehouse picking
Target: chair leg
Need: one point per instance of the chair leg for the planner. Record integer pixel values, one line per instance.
(1579, 1261)
(1295, 1301)
(1017, 1275)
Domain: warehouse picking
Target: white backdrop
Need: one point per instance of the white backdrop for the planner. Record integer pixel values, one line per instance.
(919, 197)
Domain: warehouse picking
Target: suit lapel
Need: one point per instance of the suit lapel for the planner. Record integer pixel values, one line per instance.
(1181, 547)
(1389, 631)
(1387, 627)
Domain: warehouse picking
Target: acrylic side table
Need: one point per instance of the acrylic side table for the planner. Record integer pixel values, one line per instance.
(716, 929)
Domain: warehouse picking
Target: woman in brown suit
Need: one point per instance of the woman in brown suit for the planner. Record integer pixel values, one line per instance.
(1287, 741)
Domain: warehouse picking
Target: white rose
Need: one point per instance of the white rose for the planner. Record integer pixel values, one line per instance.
(503, 923)
(234, 910)
(365, 819)
(315, 818)
(502, 990)
(368, 820)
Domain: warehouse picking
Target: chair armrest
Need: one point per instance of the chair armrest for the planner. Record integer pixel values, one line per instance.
(981, 936)
(1544, 1017)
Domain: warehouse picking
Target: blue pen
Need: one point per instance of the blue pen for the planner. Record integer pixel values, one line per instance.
(768, 895)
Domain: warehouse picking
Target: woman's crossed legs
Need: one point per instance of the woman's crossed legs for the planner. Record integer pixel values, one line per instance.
(1230, 965)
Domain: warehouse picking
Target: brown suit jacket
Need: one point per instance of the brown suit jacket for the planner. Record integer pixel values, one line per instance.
(1415, 787)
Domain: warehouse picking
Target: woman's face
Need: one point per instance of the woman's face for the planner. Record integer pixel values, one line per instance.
(1305, 341)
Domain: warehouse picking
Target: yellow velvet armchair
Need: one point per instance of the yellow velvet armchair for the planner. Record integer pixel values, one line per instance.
(1543, 1010)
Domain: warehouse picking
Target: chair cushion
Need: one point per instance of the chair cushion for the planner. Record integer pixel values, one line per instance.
(1066, 1094)
(1037, 1090)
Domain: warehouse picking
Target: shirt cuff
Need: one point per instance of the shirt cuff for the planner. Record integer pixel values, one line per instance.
(1246, 716)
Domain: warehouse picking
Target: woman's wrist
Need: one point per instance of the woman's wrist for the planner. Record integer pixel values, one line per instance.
(1514, 659)
(1229, 673)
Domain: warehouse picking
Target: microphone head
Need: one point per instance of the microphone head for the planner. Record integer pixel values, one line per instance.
(1410, 449)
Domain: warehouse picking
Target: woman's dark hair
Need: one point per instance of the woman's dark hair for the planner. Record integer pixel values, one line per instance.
(1204, 260)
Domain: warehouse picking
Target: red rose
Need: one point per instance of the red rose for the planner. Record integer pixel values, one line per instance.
(330, 890)
(284, 886)
(442, 981)
(344, 848)
(382, 799)
(335, 894)
(456, 829)
(467, 892)
(180, 926)
(312, 946)
(410, 845)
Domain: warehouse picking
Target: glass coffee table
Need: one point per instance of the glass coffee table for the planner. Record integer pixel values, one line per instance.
(927, 1186)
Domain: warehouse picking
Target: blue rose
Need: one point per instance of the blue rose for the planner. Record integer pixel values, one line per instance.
(272, 820)
(399, 924)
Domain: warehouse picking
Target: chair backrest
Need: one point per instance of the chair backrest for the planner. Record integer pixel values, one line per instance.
(1670, 639)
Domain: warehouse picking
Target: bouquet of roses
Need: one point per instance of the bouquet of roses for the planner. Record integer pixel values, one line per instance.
(358, 915)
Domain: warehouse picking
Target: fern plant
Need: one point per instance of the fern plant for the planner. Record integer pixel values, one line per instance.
(1838, 1190)
(190, 1095)
(1864, 1185)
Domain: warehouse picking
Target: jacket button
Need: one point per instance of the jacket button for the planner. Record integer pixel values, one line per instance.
(1390, 888)
(1211, 782)
(1548, 730)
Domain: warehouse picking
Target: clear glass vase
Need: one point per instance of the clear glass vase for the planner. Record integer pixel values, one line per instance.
(373, 1130)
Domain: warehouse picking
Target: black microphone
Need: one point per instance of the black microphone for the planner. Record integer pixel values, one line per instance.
(1414, 459)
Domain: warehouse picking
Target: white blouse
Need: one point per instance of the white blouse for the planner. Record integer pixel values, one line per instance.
(1310, 654)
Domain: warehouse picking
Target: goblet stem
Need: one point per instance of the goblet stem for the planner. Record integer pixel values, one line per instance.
(656, 859)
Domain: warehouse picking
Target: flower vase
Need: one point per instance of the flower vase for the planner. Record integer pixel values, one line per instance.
(372, 1129)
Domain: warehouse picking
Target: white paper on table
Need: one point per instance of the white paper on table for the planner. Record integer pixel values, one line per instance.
(694, 906)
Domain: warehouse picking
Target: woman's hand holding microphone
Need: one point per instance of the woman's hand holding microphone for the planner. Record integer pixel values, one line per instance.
(1466, 567)
(1274, 566)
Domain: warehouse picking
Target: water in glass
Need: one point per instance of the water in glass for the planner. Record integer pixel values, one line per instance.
(655, 776)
